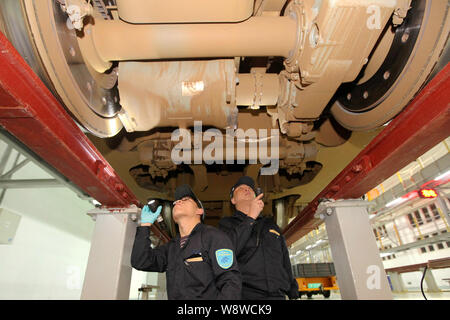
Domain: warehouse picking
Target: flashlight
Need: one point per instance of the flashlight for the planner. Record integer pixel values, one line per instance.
(153, 204)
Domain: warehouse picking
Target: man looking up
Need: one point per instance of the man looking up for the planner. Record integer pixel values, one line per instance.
(199, 262)
(261, 250)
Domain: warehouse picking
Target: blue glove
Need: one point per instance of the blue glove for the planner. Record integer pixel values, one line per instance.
(148, 216)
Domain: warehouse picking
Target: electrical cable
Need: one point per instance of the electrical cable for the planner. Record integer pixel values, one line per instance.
(421, 282)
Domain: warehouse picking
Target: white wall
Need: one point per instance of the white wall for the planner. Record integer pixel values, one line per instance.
(48, 256)
(411, 280)
(49, 253)
(139, 278)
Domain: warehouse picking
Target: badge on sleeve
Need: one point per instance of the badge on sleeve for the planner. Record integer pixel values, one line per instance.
(224, 258)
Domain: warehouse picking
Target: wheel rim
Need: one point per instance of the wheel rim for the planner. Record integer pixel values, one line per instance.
(92, 99)
(427, 55)
(366, 96)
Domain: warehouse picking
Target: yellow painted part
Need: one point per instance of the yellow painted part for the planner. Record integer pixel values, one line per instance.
(329, 283)
(399, 177)
(417, 226)
(441, 214)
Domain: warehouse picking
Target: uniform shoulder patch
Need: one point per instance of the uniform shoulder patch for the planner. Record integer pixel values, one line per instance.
(224, 258)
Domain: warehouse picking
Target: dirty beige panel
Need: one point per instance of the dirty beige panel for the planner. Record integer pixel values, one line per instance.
(183, 11)
(334, 160)
(177, 93)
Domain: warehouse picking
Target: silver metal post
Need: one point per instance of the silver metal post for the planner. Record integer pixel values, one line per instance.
(430, 281)
(397, 282)
(108, 273)
(440, 202)
(359, 270)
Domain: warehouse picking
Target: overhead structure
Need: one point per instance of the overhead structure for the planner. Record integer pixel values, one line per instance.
(30, 112)
(309, 72)
(297, 74)
(423, 124)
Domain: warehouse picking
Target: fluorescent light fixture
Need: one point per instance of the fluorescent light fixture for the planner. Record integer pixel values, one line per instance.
(442, 176)
(396, 202)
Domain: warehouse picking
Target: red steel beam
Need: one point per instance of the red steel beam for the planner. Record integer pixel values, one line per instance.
(30, 112)
(432, 264)
(424, 123)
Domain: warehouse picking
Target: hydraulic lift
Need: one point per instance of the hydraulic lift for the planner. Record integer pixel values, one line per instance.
(424, 123)
(30, 113)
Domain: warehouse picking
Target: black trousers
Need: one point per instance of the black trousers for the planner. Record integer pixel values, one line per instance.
(255, 294)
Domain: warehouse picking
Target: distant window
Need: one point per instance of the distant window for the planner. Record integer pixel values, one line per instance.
(426, 214)
(380, 231)
(431, 248)
(411, 220)
(418, 218)
(423, 250)
(435, 211)
(440, 246)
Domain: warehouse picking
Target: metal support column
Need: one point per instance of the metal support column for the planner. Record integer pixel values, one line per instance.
(161, 292)
(430, 281)
(397, 282)
(359, 269)
(108, 272)
(442, 206)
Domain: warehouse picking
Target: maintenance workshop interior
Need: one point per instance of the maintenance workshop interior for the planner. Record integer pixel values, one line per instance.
(206, 149)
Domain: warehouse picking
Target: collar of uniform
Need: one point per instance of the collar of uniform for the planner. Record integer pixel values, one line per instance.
(196, 228)
(241, 215)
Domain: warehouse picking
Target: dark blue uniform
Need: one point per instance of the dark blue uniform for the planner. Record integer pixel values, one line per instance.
(205, 268)
(262, 256)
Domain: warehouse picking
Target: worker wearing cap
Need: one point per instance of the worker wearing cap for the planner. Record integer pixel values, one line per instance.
(199, 262)
(261, 250)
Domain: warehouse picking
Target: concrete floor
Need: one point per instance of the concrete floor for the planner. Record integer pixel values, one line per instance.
(411, 295)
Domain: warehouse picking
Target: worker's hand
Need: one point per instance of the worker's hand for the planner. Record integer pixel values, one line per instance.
(256, 206)
(148, 217)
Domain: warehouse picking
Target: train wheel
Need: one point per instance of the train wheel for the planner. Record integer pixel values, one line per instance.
(42, 33)
(397, 69)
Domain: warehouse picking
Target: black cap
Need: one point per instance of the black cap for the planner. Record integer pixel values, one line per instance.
(243, 180)
(185, 191)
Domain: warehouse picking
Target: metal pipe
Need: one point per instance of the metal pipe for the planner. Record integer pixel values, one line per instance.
(257, 89)
(30, 183)
(15, 169)
(257, 36)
